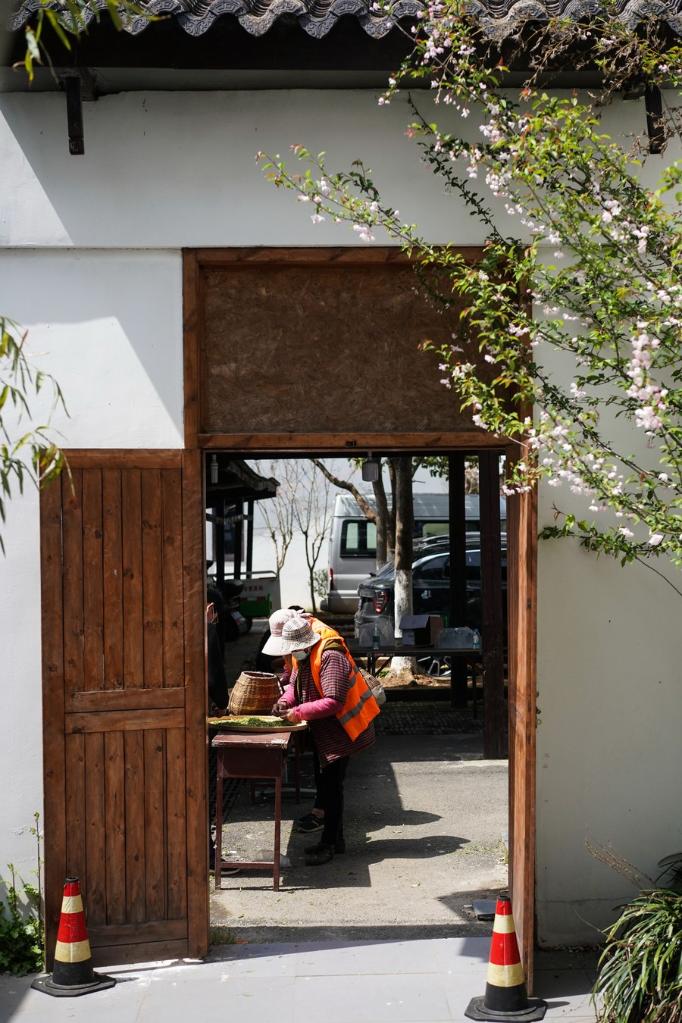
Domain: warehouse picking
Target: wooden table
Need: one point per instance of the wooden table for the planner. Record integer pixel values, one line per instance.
(249, 755)
(472, 656)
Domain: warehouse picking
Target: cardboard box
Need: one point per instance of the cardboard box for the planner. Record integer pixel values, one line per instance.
(420, 630)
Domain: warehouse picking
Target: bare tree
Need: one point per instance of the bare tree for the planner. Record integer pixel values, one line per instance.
(279, 514)
(312, 515)
(378, 513)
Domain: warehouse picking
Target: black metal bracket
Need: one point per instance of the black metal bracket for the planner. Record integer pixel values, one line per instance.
(79, 85)
(74, 114)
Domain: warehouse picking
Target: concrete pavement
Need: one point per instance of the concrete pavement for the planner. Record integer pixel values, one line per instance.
(423, 981)
(426, 828)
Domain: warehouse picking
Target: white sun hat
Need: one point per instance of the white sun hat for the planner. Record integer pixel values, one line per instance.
(278, 619)
(298, 634)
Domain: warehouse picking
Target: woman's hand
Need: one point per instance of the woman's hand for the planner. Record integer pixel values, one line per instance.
(291, 716)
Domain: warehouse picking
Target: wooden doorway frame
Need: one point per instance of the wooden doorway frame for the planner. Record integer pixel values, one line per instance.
(521, 531)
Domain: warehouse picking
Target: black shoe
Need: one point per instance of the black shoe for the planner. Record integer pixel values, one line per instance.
(339, 847)
(318, 854)
(309, 824)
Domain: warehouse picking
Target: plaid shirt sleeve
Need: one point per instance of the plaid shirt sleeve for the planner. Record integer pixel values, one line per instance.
(335, 682)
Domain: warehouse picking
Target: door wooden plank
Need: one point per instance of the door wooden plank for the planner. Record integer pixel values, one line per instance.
(126, 699)
(93, 636)
(152, 578)
(73, 581)
(133, 630)
(134, 826)
(137, 952)
(124, 720)
(112, 579)
(95, 810)
(154, 823)
(196, 740)
(176, 817)
(76, 864)
(54, 814)
(115, 844)
(173, 639)
(154, 930)
(124, 458)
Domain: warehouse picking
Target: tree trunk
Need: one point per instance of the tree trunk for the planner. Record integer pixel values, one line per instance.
(311, 580)
(404, 528)
(382, 521)
(391, 529)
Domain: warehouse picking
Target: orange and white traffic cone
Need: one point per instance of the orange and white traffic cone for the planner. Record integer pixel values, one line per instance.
(505, 999)
(72, 973)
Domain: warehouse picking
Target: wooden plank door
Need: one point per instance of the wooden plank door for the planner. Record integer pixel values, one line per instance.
(522, 603)
(124, 701)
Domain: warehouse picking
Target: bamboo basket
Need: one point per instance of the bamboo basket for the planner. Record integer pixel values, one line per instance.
(254, 692)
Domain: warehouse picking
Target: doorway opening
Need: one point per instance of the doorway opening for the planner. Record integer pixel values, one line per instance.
(426, 838)
(252, 313)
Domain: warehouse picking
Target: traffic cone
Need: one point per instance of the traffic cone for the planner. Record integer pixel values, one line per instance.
(72, 973)
(505, 999)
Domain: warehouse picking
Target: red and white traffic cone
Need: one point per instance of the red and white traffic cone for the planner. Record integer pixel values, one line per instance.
(505, 999)
(72, 973)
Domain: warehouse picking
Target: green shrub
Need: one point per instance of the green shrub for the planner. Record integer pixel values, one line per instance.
(640, 970)
(21, 929)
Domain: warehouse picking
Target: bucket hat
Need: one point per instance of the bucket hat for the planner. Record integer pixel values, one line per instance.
(278, 619)
(298, 634)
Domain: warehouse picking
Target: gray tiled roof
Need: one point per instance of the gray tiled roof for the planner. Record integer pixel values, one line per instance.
(498, 18)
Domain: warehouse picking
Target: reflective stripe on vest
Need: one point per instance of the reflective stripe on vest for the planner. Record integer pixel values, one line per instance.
(359, 708)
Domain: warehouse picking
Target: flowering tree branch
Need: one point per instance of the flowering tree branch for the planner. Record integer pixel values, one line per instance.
(581, 268)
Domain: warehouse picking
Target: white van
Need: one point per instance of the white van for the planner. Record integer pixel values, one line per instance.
(353, 542)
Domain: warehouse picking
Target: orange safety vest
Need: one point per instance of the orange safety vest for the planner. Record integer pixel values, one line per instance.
(360, 708)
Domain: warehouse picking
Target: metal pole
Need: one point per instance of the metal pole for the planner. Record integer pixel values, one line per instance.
(219, 541)
(238, 538)
(458, 581)
(249, 539)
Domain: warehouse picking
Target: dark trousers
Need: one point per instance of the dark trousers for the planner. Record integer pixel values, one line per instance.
(330, 799)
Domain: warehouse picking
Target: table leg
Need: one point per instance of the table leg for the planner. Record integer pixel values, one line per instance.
(278, 825)
(474, 689)
(297, 766)
(218, 857)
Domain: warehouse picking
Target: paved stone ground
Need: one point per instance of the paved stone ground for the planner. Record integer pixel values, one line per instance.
(426, 834)
(422, 981)
(427, 718)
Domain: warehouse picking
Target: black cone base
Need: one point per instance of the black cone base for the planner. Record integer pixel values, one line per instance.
(535, 1010)
(46, 984)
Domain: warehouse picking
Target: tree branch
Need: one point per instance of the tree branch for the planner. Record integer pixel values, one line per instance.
(363, 503)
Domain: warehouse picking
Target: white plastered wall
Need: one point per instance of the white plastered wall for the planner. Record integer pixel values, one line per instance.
(108, 325)
(167, 170)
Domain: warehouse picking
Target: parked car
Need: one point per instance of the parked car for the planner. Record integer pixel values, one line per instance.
(352, 541)
(430, 588)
